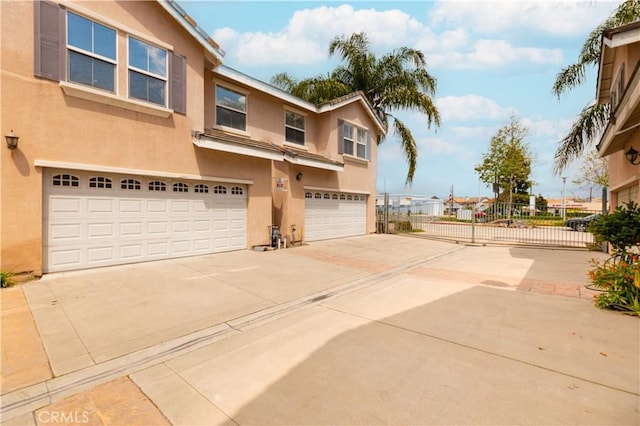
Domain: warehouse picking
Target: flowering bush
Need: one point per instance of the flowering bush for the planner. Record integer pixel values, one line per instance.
(619, 282)
(618, 278)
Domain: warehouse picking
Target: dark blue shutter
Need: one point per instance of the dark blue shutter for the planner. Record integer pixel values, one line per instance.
(340, 137)
(49, 39)
(178, 78)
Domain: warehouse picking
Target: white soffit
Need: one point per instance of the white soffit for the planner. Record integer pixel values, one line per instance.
(238, 149)
(314, 163)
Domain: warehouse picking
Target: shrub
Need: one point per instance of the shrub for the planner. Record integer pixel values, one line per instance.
(618, 278)
(6, 279)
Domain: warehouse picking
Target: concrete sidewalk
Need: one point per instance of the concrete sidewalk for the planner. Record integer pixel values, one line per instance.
(226, 338)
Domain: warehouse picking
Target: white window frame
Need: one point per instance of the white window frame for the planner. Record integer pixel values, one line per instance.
(239, 91)
(81, 51)
(303, 130)
(164, 79)
(354, 140)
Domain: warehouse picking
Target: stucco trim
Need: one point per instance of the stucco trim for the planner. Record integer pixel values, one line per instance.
(627, 182)
(94, 95)
(314, 163)
(139, 172)
(338, 190)
(238, 149)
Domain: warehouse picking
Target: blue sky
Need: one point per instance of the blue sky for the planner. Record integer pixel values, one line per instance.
(491, 59)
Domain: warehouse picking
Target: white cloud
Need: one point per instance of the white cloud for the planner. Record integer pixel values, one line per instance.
(562, 18)
(470, 107)
(437, 146)
(493, 54)
(306, 38)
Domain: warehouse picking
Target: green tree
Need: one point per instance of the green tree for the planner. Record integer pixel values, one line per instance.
(507, 162)
(594, 117)
(593, 171)
(396, 81)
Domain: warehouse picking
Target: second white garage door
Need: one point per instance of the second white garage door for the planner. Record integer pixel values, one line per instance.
(99, 219)
(334, 215)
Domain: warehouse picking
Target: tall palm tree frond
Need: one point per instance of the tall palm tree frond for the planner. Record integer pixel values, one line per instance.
(585, 129)
(573, 75)
(397, 80)
(409, 147)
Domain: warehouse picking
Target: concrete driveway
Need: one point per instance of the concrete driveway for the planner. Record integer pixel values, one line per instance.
(368, 330)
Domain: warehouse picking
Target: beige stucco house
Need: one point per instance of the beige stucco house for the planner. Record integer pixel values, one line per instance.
(136, 143)
(619, 85)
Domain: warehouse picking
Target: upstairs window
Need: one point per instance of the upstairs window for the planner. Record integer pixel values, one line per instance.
(147, 72)
(355, 141)
(231, 109)
(294, 127)
(91, 50)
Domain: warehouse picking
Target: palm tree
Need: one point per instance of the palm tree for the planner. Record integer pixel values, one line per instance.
(594, 117)
(396, 81)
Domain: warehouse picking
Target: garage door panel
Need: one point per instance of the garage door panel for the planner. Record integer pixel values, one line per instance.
(157, 206)
(130, 206)
(158, 228)
(68, 257)
(85, 225)
(61, 205)
(100, 254)
(131, 252)
(100, 230)
(181, 247)
(100, 205)
(179, 206)
(131, 229)
(158, 249)
(63, 231)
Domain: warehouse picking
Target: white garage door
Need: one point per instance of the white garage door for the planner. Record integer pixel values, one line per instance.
(334, 215)
(99, 219)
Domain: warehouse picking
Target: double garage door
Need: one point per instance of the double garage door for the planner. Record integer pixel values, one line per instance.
(334, 215)
(98, 219)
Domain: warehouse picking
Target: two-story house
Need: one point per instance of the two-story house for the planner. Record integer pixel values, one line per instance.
(619, 85)
(135, 143)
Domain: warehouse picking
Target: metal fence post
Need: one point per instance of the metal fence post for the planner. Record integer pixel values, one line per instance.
(386, 213)
(473, 224)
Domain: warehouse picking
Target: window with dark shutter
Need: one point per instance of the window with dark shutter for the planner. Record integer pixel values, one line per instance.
(178, 89)
(49, 37)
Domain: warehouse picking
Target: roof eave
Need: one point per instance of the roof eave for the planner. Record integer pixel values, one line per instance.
(192, 28)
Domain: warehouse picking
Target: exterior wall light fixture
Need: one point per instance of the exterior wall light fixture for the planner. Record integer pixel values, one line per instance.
(633, 156)
(12, 140)
(299, 176)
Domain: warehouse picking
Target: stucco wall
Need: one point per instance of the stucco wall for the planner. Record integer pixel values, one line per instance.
(54, 126)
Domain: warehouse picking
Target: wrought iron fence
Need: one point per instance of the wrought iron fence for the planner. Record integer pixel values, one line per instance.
(484, 222)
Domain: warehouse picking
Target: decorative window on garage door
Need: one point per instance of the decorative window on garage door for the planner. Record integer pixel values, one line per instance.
(201, 188)
(157, 185)
(236, 190)
(132, 184)
(66, 180)
(100, 182)
(219, 189)
(180, 187)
